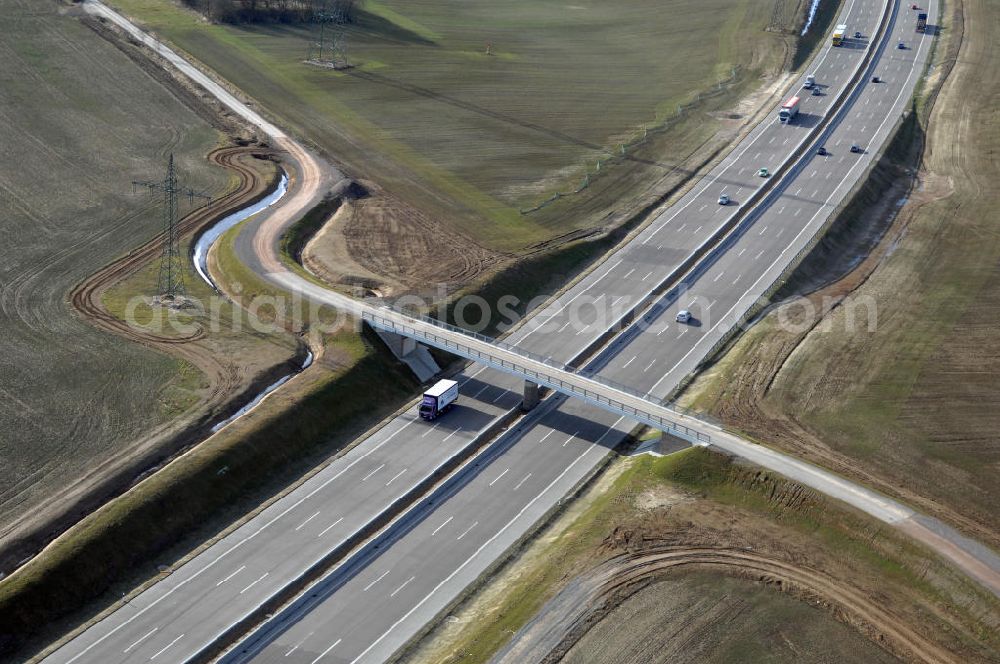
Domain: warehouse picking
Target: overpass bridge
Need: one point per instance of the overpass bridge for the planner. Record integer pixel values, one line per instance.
(539, 371)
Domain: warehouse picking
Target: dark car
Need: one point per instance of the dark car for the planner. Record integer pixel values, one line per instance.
(822, 151)
(856, 148)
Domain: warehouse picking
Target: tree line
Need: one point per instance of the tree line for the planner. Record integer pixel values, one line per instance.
(273, 11)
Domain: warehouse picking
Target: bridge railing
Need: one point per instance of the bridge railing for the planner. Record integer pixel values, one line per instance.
(644, 407)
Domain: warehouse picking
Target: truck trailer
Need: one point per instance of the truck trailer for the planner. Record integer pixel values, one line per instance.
(789, 110)
(922, 22)
(438, 399)
(839, 33)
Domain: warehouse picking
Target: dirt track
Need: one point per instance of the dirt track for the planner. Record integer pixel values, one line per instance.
(571, 614)
(227, 381)
(86, 297)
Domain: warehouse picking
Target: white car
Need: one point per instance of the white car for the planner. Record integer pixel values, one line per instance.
(683, 316)
(724, 199)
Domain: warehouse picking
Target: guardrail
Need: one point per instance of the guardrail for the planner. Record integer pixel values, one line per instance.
(709, 250)
(603, 393)
(568, 378)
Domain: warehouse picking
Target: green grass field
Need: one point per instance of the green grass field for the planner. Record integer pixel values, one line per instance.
(472, 138)
(697, 499)
(80, 122)
(913, 406)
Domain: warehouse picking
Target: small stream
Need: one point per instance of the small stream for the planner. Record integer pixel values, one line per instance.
(267, 390)
(200, 258)
(213, 233)
(813, 7)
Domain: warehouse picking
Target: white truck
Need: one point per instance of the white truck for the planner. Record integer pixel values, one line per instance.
(439, 398)
(789, 110)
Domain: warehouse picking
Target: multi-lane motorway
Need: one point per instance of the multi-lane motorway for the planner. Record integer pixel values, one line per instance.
(367, 610)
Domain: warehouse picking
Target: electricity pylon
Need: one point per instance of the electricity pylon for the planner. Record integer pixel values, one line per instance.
(170, 283)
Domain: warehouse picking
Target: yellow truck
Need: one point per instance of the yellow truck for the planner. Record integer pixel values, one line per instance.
(839, 33)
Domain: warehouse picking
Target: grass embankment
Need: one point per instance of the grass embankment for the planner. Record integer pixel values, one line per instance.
(164, 517)
(695, 499)
(913, 405)
(469, 138)
(80, 121)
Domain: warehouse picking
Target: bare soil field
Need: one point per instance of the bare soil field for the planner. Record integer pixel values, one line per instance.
(703, 617)
(695, 557)
(80, 122)
(463, 148)
(912, 407)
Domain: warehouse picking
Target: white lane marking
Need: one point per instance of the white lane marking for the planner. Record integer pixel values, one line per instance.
(259, 579)
(405, 583)
(629, 273)
(571, 300)
(497, 479)
(648, 275)
(502, 394)
(703, 207)
(683, 332)
(466, 531)
(757, 257)
(140, 640)
(625, 366)
(518, 485)
(781, 209)
(237, 545)
(665, 328)
(565, 325)
(439, 424)
(797, 191)
(762, 230)
(242, 567)
(380, 577)
(396, 476)
(325, 530)
(741, 252)
(788, 246)
(482, 547)
(615, 301)
(551, 431)
(160, 652)
(719, 276)
(813, 174)
(699, 228)
(323, 654)
(375, 471)
(682, 228)
(299, 527)
(446, 522)
(648, 366)
(299, 644)
(798, 212)
(567, 441)
(451, 434)
(736, 280)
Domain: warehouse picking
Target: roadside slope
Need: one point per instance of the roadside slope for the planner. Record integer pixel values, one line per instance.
(912, 407)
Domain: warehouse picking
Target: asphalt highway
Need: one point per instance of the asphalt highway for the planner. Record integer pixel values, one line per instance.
(366, 615)
(369, 611)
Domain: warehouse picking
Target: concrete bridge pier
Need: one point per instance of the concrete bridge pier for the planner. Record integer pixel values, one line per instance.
(411, 353)
(531, 396)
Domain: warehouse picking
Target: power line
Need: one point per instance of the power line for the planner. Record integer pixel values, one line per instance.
(170, 283)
